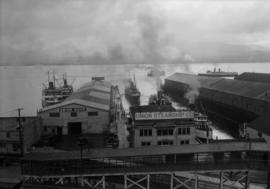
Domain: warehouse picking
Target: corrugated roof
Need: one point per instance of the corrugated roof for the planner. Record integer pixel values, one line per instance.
(80, 102)
(98, 94)
(254, 77)
(243, 88)
(102, 88)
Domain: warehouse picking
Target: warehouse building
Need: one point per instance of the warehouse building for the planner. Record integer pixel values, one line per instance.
(235, 101)
(257, 129)
(254, 77)
(10, 142)
(90, 109)
(161, 125)
(250, 97)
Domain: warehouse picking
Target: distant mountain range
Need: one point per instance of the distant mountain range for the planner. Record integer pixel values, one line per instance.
(225, 53)
(200, 52)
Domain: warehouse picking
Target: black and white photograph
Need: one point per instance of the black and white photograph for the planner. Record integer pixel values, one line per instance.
(134, 94)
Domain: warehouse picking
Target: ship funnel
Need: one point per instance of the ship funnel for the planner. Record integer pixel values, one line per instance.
(159, 94)
(65, 83)
(51, 85)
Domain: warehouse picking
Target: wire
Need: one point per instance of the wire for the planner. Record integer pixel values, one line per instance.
(8, 111)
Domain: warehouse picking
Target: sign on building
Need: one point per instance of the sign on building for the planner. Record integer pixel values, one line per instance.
(164, 115)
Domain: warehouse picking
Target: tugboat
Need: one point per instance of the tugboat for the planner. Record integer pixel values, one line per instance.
(132, 93)
(51, 94)
(218, 73)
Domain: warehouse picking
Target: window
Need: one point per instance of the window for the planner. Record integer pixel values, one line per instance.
(145, 132)
(165, 142)
(179, 131)
(164, 132)
(73, 114)
(45, 128)
(184, 142)
(145, 143)
(92, 113)
(8, 134)
(183, 131)
(2, 145)
(54, 114)
(15, 147)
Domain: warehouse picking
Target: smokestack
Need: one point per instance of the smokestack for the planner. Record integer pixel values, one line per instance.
(51, 85)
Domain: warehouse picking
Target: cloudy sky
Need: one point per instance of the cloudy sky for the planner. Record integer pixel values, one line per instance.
(125, 31)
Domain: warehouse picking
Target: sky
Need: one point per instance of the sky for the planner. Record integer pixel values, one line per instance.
(125, 31)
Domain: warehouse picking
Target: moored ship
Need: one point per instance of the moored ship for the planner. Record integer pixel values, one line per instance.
(203, 130)
(132, 94)
(218, 73)
(52, 94)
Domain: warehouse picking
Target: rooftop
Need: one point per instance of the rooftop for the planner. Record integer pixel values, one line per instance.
(254, 77)
(242, 88)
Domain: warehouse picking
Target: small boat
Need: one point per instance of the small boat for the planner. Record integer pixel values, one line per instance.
(52, 94)
(132, 94)
(203, 130)
(218, 73)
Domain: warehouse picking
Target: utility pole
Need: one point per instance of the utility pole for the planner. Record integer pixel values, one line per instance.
(20, 131)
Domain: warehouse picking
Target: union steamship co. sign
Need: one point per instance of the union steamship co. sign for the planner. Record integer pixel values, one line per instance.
(164, 115)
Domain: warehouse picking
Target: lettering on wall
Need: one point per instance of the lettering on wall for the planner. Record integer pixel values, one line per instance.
(164, 115)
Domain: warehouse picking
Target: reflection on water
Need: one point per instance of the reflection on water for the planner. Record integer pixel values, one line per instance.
(21, 86)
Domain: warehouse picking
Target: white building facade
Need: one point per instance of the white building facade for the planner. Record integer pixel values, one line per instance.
(162, 127)
(86, 111)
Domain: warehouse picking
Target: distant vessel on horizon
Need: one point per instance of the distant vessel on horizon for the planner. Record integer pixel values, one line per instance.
(132, 94)
(153, 73)
(218, 73)
(52, 94)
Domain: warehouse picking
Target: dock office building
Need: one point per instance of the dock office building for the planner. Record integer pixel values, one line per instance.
(161, 125)
(87, 110)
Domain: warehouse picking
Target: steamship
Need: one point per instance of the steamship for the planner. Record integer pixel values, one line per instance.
(52, 94)
(132, 94)
(203, 130)
(218, 73)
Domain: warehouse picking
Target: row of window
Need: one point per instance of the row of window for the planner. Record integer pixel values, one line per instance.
(164, 132)
(72, 114)
(15, 147)
(164, 142)
(183, 131)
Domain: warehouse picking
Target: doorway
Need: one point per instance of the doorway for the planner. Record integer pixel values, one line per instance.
(74, 128)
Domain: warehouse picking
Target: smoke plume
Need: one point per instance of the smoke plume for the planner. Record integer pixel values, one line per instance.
(193, 90)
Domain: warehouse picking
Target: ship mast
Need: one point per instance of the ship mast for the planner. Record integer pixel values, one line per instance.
(134, 80)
